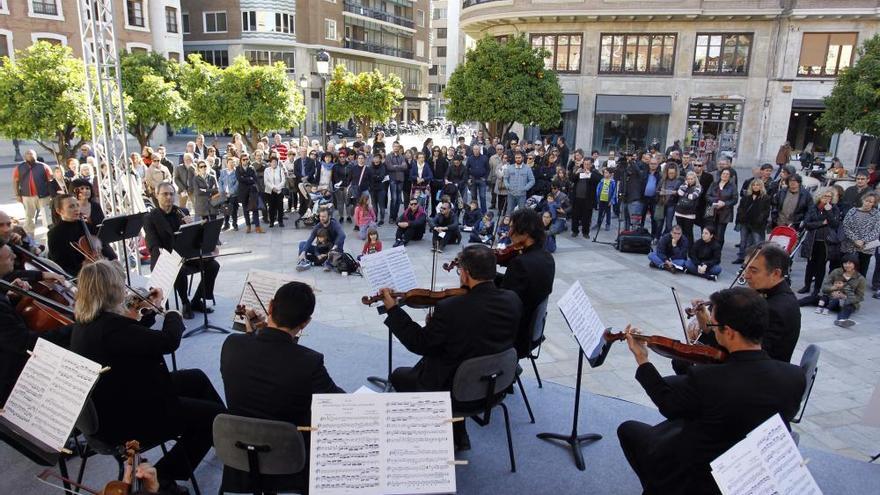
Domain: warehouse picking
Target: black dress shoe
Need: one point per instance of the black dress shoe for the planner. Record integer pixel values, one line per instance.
(201, 307)
(804, 289)
(187, 312)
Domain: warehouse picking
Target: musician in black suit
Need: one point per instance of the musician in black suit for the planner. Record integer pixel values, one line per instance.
(15, 337)
(138, 398)
(68, 230)
(529, 274)
(479, 323)
(160, 224)
(267, 374)
(712, 407)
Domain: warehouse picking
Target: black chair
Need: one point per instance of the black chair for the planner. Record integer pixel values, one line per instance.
(479, 386)
(539, 320)
(260, 448)
(810, 365)
(87, 424)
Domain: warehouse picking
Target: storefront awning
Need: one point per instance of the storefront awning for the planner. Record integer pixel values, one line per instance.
(623, 104)
(569, 103)
(802, 104)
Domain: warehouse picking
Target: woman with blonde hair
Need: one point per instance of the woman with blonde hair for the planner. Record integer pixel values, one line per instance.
(138, 397)
(821, 241)
(752, 216)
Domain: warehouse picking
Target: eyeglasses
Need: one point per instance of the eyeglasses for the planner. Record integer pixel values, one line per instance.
(203, 166)
(714, 325)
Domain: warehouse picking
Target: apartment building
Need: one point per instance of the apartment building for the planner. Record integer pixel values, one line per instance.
(448, 45)
(389, 35)
(141, 25)
(725, 77)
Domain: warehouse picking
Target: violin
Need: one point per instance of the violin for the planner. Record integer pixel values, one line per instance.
(117, 487)
(673, 349)
(89, 245)
(418, 298)
(255, 321)
(40, 313)
(139, 300)
(503, 256)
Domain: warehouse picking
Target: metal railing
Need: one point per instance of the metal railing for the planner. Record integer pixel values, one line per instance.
(376, 48)
(356, 8)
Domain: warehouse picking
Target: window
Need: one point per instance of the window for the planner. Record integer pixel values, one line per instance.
(135, 10)
(824, 54)
(52, 38)
(442, 71)
(284, 23)
(174, 56)
(330, 29)
(215, 22)
(249, 21)
(220, 58)
(432, 71)
(637, 53)
(4, 45)
(439, 14)
(420, 48)
(441, 33)
(722, 54)
(45, 7)
(420, 18)
(184, 19)
(441, 51)
(565, 51)
(286, 57)
(257, 57)
(171, 19)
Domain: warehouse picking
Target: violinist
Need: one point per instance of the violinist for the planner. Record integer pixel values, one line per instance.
(268, 374)
(712, 407)
(529, 274)
(138, 398)
(15, 337)
(69, 230)
(479, 323)
(160, 224)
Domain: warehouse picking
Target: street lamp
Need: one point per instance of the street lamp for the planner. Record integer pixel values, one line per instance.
(322, 60)
(304, 84)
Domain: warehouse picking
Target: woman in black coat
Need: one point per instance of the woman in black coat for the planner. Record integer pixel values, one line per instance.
(820, 224)
(752, 216)
(138, 398)
(722, 196)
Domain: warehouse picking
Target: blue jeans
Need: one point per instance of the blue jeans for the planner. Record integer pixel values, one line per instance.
(668, 217)
(395, 189)
(478, 188)
(653, 257)
(747, 239)
(844, 311)
(514, 200)
(311, 252)
(633, 215)
(691, 268)
(604, 212)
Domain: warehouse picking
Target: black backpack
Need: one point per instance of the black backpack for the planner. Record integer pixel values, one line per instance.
(345, 262)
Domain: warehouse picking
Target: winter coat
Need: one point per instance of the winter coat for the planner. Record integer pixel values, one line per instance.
(729, 195)
(818, 231)
(754, 212)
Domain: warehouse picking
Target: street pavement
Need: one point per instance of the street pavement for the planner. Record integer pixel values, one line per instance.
(620, 286)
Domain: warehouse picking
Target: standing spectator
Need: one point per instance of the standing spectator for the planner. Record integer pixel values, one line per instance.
(650, 196)
(248, 194)
(752, 216)
(280, 148)
(259, 163)
(606, 195)
(496, 161)
(163, 157)
(544, 174)
(85, 151)
(183, 176)
(853, 195)
(439, 167)
(723, 196)
(820, 241)
(668, 195)
(634, 190)
(59, 183)
(395, 165)
(576, 162)
(791, 204)
(478, 172)
(420, 177)
(378, 186)
(204, 188)
(274, 180)
(156, 174)
(783, 156)
(303, 169)
(30, 181)
(229, 188)
(584, 182)
(562, 149)
(843, 291)
(705, 256)
(72, 171)
(341, 177)
(861, 231)
(518, 179)
(873, 175)
(686, 212)
(671, 252)
(705, 180)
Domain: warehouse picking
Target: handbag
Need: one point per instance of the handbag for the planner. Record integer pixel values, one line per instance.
(870, 246)
(710, 211)
(218, 199)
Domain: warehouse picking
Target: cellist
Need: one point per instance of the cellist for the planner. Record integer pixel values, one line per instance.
(712, 407)
(15, 337)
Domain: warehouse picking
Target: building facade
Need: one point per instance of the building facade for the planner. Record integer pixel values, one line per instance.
(725, 77)
(448, 45)
(392, 36)
(141, 25)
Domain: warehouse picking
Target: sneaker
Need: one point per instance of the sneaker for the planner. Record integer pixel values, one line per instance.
(678, 268)
(652, 265)
(397, 242)
(876, 295)
(824, 311)
(235, 228)
(845, 323)
(381, 223)
(713, 278)
(348, 219)
(804, 289)
(303, 265)
(819, 310)
(356, 228)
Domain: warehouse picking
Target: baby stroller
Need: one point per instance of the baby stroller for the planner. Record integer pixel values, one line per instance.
(315, 200)
(787, 238)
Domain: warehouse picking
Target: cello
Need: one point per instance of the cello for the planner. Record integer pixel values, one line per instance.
(40, 313)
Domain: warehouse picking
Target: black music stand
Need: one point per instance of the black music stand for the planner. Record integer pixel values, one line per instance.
(196, 241)
(573, 439)
(121, 228)
(385, 383)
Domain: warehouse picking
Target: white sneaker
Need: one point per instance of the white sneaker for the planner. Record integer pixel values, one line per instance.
(819, 310)
(824, 311)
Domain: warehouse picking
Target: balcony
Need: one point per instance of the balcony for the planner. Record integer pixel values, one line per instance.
(356, 8)
(375, 48)
(471, 3)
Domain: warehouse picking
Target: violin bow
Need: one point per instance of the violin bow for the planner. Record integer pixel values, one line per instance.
(265, 311)
(745, 266)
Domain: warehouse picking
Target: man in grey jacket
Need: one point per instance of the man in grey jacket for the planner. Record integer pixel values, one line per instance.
(518, 179)
(395, 166)
(184, 174)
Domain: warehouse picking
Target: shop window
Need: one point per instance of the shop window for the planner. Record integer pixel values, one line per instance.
(625, 133)
(825, 54)
(712, 129)
(637, 53)
(722, 54)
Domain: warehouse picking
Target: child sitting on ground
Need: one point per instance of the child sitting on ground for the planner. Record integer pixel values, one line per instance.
(372, 244)
(503, 232)
(472, 216)
(484, 231)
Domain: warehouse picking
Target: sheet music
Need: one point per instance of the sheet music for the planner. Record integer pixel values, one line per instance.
(165, 272)
(582, 319)
(50, 393)
(389, 268)
(382, 443)
(767, 461)
(265, 283)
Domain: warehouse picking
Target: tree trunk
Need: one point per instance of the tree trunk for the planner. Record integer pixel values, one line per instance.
(363, 126)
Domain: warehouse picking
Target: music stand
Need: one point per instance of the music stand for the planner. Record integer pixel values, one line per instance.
(198, 241)
(121, 228)
(573, 439)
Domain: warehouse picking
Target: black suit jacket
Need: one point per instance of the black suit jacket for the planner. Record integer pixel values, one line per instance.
(159, 232)
(136, 397)
(479, 323)
(785, 322)
(270, 376)
(15, 340)
(710, 409)
(531, 276)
